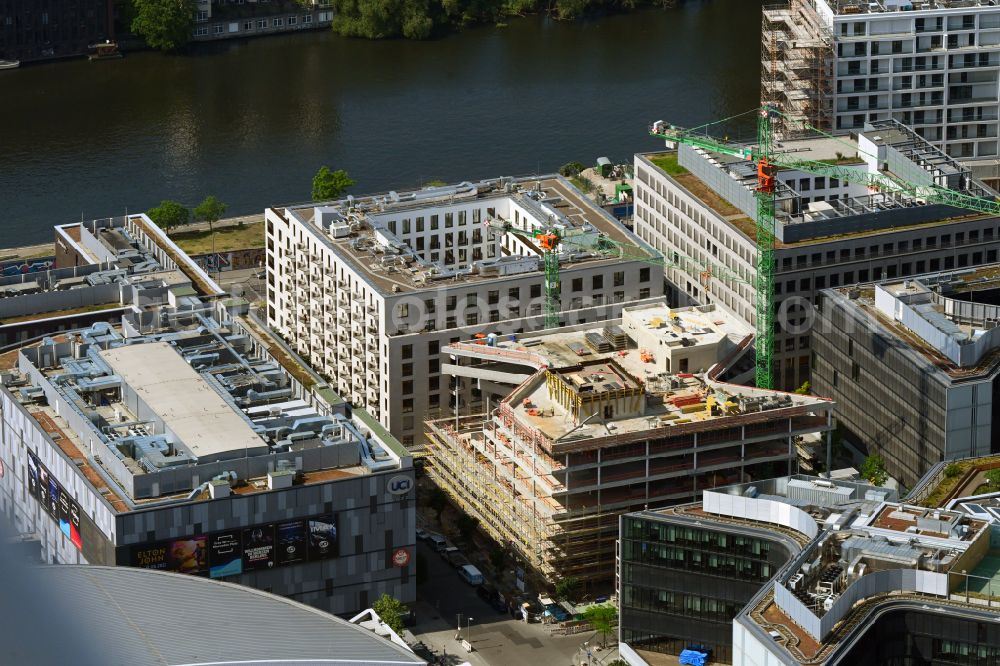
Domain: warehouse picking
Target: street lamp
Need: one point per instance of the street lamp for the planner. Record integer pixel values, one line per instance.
(468, 629)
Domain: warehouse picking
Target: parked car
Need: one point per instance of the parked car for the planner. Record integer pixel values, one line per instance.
(489, 594)
(471, 575)
(457, 560)
(437, 542)
(533, 608)
(408, 617)
(447, 551)
(422, 535)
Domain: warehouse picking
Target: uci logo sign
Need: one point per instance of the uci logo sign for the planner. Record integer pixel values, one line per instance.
(400, 485)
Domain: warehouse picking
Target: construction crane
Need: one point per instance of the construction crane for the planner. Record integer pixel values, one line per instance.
(768, 162)
(552, 241)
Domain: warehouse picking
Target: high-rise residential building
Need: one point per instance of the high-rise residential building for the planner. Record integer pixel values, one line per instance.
(913, 366)
(370, 290)
(829, 232)
(930, 64)
(604, 418)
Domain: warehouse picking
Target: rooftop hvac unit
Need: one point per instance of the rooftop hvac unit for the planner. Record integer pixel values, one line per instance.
(828, 603)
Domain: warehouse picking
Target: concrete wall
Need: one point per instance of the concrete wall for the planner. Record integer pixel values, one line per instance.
(52, 301)
(764, 510)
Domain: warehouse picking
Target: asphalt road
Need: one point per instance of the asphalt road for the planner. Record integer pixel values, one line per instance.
(497, 639)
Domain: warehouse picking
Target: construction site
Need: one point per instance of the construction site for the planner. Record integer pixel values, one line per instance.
(796, 67)
(594, 421)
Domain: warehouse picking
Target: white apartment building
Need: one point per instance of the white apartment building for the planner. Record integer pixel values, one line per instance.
(369, 290)
(828, 233)
(930, 64)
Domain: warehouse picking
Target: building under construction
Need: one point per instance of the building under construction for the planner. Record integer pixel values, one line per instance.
(796, 67)
(607, 419)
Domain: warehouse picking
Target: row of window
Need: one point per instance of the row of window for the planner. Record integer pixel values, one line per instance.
(252, 25)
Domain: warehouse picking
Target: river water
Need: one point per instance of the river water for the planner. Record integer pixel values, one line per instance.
(251, 121)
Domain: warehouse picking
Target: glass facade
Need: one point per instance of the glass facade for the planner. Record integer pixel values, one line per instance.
(682, 584)
(917, 638)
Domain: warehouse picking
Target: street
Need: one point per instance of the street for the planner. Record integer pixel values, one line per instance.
(496, 639)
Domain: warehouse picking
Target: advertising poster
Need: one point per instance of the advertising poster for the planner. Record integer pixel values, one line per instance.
(291, 539)
(74, 525)
(188, 555)
(33, 482)
(258, 548)
(54, 491)
(43, 487)
(225, 555)
(322, 538)
(150, 557)
(63, 518)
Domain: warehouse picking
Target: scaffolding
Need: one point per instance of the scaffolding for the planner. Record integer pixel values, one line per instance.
(797, 68)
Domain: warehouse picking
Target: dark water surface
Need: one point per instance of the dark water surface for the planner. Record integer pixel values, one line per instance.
(251, 121)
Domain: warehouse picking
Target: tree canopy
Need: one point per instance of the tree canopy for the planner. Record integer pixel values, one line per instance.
(165, 24)
(603, 618)
(210, 210)
(873, 469)
(329, 185)
(437, 499)
(391, 610)
(567, 588)
(169, 214)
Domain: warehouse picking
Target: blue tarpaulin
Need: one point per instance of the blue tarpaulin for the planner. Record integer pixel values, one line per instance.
(693, 658)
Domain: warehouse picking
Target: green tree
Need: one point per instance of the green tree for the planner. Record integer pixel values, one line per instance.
(952, 470)
(873, 469)
(329, 185)
(498, 558)
(210, 210)
(571, 169)
(437, 499)
(804, 389)
(993, 477)
(165, 24)
(467, 525)
(603, 618)
(391, 610)
(169, 214)
(567, 588)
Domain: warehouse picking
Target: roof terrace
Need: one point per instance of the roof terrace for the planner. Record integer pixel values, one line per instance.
(393, 238)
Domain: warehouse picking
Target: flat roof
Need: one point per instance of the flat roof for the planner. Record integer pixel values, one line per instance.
(575, 209)
(203, 422)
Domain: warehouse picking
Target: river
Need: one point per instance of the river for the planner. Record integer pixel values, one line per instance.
(251, 121)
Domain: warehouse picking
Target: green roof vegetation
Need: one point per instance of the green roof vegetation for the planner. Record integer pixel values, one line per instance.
(667, 163)
(227, 239)
(957, 473)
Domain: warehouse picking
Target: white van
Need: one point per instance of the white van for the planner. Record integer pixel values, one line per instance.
(437, 542)
(471, 575)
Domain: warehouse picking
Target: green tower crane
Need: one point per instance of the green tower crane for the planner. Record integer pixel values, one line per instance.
(768, 162)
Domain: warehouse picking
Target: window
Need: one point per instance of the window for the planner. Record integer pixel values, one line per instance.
(201, 31)
(644, 274)
(577, 284)
(644, 292)
(408, 387)
(514, 293)
(493, 297)
(597, 282)
(307, 18)
(434, 222)
(292, 20)
(248, 25)
(407, 369)
(277, 22)
(536, 290)
(432, 347)
(619, 278)
(406, 351)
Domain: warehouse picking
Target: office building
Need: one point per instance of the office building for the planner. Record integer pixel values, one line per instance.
(369, 290)
(829, 232)
(684, 573)
(913, 367)
(599, 420)
(870, 580)
(235, 19)
(177, 441)
(930, 64)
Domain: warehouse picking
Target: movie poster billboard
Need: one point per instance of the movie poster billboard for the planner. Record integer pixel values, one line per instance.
(188, 555)
(291, 546)
(54, 500)
(322, 537)
(225, 554)
(258, 548)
